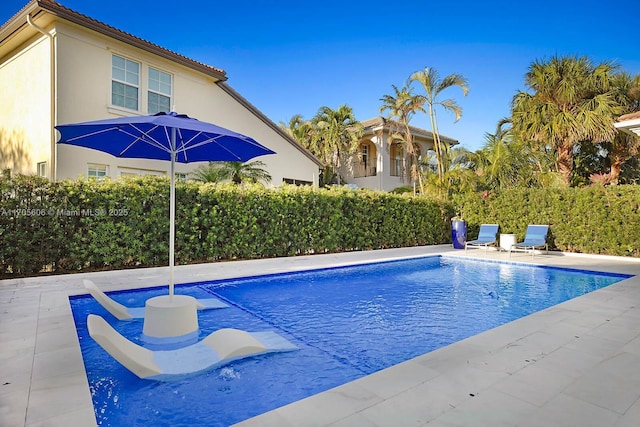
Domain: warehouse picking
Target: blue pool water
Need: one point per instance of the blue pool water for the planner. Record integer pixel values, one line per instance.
(347, 322)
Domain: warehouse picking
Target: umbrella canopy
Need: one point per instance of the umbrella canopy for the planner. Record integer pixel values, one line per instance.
(150, 137)
(163, 136)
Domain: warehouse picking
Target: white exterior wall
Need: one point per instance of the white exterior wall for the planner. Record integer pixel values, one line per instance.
(25, 107)
(383, 180)
(84, 93)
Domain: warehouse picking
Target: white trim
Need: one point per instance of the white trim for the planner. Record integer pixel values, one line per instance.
(632, 127)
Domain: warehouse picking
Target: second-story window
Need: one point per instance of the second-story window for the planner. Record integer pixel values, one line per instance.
(364, 152)
(125, 81)
(159, 96)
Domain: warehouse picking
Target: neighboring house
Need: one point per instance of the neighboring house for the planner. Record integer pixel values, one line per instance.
(380, 165)
(629, 123)
(58, 66)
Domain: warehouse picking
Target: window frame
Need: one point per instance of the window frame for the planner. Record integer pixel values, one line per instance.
(158, 91)
(41, 169)
(396, 159)
(298, 182)
(124, 82)
(97, 168)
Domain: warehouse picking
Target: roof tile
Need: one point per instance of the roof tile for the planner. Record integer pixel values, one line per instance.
(64, 12)
(630, 116)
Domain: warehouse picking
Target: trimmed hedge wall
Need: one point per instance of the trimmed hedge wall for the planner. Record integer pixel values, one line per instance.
(89, 225)
(595, 220)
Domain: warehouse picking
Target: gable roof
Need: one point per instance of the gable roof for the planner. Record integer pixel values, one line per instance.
(37, 7)
(382, 123)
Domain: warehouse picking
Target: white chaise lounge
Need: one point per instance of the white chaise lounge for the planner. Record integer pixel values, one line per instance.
(122, 312)
(219, 348)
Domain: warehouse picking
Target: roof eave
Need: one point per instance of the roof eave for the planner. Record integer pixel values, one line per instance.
(35, 7)
(266, 120)
(631, 127)
(379, 123)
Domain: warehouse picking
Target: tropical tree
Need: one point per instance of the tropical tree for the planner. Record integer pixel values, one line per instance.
(507, 161)
(236, 172)
(459, 176)
(433, 87)
(300, 130)
(570, 100)
(402, 105)
(336, 135)
(623, 146)
(211, 172)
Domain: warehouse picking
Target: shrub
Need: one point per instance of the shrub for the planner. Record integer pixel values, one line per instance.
(596, 220)
(89, 225)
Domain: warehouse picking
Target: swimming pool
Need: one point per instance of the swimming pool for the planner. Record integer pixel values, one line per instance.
(347, 322)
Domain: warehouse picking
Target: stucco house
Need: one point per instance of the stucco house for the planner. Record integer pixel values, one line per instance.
(58, 66)
(629, 123)
(378, 164)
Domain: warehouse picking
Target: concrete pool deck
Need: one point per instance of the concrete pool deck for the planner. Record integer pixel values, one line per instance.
(574, 364)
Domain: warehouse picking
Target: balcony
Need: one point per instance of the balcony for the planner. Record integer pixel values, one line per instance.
(361, 171)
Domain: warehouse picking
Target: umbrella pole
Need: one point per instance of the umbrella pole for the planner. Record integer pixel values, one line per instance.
(172, 213)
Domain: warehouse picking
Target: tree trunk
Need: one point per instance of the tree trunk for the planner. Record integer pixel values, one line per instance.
(616, 168)
(565, 162)
(436, 142)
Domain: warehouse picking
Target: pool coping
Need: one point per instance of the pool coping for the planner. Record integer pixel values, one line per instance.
(572, 364)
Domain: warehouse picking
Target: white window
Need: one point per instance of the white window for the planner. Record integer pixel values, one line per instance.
(364, 152)
(125, 81)
(296, 181)
(159, 95)
(181, 176)
(96, 171)
(42, 168)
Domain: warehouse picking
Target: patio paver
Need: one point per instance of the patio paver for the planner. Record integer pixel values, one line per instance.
(575, 364)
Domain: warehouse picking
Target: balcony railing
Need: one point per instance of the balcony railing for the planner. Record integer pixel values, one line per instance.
(361, 171)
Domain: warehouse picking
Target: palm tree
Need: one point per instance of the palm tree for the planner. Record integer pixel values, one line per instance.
(506, 161)
(402, 105)
(624, 146)
(211, 172)
(570, 101)
(433, 86)
(497, 162)
(236, 172)
(336, 135)
(459, 176)
(299, 129)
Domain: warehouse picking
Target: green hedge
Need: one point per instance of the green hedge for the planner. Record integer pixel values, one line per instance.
(595, 220)
(88, 225)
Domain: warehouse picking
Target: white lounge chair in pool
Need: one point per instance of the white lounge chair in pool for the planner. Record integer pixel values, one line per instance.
(219, 348)
(487, 235)
(122, 312)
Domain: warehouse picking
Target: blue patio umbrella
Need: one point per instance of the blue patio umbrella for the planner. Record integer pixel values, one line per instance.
(163, 136)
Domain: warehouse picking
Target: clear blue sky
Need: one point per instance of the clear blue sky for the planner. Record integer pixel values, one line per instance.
(292, 57)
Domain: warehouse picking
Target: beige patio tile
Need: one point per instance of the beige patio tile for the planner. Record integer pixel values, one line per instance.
(13, 406)
(490, 408)
(535, 384)
(568, 411)
(404, 376)
(631, 417)
(575, 364)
